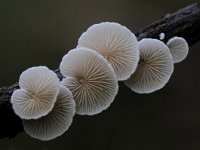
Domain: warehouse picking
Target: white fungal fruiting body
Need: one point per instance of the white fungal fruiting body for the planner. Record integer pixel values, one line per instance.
(57, 121)
(37, 96)
(162, 36)
(154, 69)
(114, 42)
(179, 48)
(91, 80)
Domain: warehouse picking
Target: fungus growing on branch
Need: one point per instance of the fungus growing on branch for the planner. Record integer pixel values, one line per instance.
(154, 69)
(116, 43)
(56, 122)
(36, 97)
(179, 48)
(91, 79)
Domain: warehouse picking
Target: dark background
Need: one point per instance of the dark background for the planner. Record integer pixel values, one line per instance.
(34, 32)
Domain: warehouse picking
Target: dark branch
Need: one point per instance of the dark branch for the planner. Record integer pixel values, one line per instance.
(184, 23)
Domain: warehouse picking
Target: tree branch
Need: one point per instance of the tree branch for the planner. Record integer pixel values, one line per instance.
(184, 23)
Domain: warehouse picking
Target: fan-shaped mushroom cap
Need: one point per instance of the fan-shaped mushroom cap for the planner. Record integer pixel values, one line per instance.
(57, 121)
(154, 69)
(179, 48)
(91, 80)
(37, 96)
(116, 43)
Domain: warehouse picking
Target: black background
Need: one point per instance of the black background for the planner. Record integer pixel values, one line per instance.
(37, 32)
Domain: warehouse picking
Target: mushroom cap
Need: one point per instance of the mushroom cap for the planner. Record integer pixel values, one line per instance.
(162, 36)
(154, 69)
(37, 96)
(91, 79)
(179, 48)
(56, 122)
(114, 42)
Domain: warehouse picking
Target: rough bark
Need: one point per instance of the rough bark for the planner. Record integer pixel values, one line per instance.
(184, 23)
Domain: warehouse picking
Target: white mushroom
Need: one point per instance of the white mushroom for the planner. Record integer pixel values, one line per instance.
(91, 79)
(37, 96)
(179, 48)
(116, 43)
(56, 122)
(154, 69)
(162, 36)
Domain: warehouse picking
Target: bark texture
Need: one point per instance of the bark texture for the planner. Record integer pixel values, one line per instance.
(185, 23)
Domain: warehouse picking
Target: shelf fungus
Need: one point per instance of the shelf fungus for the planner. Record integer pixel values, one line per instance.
(36, 97)
(154, 69)
(114, 42)
(179, 48)
(56, 122)
(90, 78)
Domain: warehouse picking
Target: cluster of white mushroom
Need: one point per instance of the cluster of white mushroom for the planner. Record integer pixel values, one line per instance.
(46, 107)
(106, 53)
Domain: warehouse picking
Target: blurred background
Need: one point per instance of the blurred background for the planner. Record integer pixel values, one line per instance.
(37, 32)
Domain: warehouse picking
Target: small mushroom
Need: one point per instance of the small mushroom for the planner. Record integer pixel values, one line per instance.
(37, 96)
(154, 69)
(56, 122)
(162, 36)
(91, 79)
(114, 42)
(179, 48)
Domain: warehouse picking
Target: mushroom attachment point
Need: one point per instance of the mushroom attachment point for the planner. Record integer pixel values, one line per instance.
(56, 122)
(91, 79)
(114, 42)
(154, 69)
(37, 96)
(179, 48)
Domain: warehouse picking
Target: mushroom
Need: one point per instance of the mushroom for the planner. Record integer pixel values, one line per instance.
(90, 78)
(37, 96)
(179, 48)
(114, 42)
(154, 69)
(56, 122)
(162, 36)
